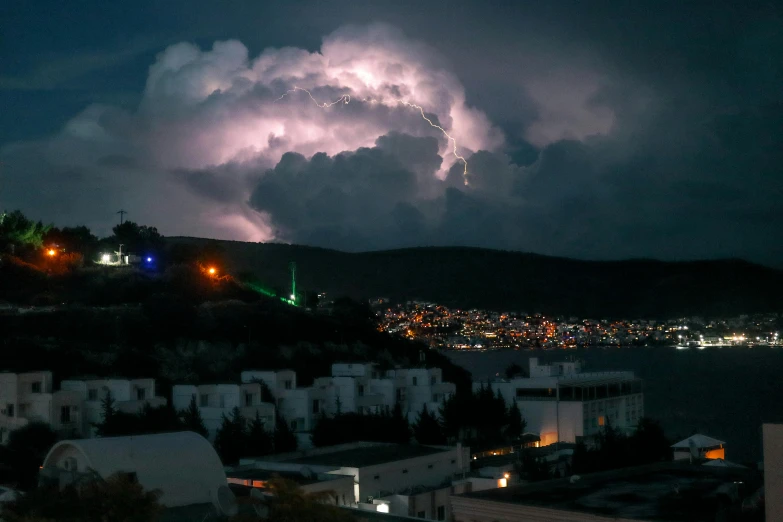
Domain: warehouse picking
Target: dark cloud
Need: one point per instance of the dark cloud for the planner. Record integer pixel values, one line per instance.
(633, 129)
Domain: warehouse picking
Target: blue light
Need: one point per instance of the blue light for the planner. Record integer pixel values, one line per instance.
(149, 260)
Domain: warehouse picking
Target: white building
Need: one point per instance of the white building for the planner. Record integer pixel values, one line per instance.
(417, 387)
(560, 403)
(72, 410)
(216, 400)
(409, 479)
(129, 395)
(182, 466)
(353, 388)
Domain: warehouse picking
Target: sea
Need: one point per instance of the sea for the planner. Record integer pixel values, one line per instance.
(726, 393)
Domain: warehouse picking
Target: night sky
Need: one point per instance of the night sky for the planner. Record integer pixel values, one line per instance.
(598, 130)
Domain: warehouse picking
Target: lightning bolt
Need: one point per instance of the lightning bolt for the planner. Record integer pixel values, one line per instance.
(346, 99)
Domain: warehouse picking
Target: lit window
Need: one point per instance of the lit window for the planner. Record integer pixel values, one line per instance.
(601, 420)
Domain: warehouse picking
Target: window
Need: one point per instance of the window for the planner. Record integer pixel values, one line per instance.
(361, 390)
(429, 466)
(436, 397)
(293, 425)
(204, 400)
(248, 399)
(287, 384)
(601, 420)
(92, 395)
(441, 512)
(9, 410)
(377, 477)
(415, 381)
(337, 500)
(421, 514)
(36, 386)
(65, 414)
(141, 394)
(316, 406)
(405, 471)
(433, 380)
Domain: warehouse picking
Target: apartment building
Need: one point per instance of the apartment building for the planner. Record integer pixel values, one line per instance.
(217, 400)
(74, 408)
(562, 403)
(353, 388)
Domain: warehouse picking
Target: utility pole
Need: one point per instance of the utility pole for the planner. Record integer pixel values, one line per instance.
(122, 214)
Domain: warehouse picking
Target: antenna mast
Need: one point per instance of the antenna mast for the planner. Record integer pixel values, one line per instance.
(122, 214)
(292, 266)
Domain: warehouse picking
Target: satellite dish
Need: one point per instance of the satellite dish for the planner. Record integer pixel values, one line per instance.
(226, 502)
(693, 448)
(259, 503)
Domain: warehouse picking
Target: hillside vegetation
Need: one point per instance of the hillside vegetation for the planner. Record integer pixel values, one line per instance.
(492, 279)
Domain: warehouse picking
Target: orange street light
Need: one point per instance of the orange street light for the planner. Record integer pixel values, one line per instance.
(211, 271)
(51, 252)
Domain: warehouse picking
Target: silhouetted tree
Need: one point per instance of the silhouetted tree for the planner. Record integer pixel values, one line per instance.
(119, 498)
(259, 440)
(427, 429)
(533, 468)
(289, 503)
(27, 447)
(18, 231)
(231, 437)
(516, 423)
(284, 438)
(514, 370)
(649, 443)
(191, 419)
(399, 429)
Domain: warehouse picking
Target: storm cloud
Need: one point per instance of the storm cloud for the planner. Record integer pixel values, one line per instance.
(595, 133)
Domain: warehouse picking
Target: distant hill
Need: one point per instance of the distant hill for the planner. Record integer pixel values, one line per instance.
(501, 280)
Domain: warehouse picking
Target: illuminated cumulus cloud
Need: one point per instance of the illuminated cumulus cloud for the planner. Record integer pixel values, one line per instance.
(210, 124)
(221, 105)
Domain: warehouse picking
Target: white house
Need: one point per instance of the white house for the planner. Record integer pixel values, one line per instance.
(71, 410)
(417, 387)
(560, 403)
(353, 388)
(182, 465)
(216, 400)
(24, 397)
(86, 407)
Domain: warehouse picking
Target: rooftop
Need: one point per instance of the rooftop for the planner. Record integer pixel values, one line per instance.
(367, 456)
(666, 491)
(265, 475)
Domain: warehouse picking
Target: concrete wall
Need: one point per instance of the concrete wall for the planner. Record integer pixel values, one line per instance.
(773, 470)
(390, 477)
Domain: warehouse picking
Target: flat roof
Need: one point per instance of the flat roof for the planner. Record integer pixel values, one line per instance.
(666, 491)
(367, 456)
(299, 478)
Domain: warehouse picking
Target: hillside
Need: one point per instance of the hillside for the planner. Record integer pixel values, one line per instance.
(472, 277)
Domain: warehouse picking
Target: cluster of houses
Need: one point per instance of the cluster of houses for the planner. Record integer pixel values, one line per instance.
(75, 408)
(379, 481)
